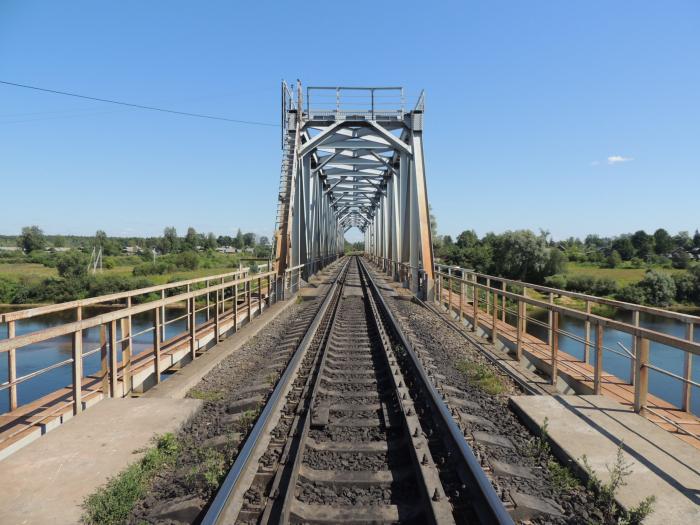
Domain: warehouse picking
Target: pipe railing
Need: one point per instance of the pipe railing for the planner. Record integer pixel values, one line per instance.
(219, 297)
(474, 289)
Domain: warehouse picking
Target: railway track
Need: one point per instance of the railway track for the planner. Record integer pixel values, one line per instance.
(355, 432)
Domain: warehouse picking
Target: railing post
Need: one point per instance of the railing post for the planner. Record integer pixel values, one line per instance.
(461, 297)
(550, 319)
(475, 304)
(77, 371)
(503, 311)
(519, 328)
(259, 296)
(598, 370)
(635, 342)
(688, 370)
(206, 285)
(494, 319)
(162, 317)
(587, 334)
(156, 343)
(104, 361)
(249, 295)
(193, 327)
(189, 312)
(555, 346)
(126, 350)
(449, 291)
(525, 312)
(113, 363)
(217, 317)
(235, 305)
(12, 366)
(488, 296)
(641, 387)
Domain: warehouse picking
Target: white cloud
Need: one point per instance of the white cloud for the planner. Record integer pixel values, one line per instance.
(617, 159)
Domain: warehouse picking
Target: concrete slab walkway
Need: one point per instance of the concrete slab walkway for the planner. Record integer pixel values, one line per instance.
(594, 426)
(47, 481)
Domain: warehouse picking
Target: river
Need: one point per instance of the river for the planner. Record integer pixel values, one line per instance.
(37, 356)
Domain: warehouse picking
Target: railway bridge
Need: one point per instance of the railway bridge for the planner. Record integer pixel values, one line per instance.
(381, 387)
(353, 157)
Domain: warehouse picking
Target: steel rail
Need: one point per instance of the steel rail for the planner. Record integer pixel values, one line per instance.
(490, 509)
(234, 478)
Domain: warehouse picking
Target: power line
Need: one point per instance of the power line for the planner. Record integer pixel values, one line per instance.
(139, 106)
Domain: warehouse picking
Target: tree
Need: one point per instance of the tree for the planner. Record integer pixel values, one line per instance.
(249, 239)
(210, 243)
(643, 243)
(31, 239)
(680, 259)
(663, 244)
(169, 243)
(191, 239)
(72, 265)
(521, 255)
(238, 240)
(613, 260)
(682, 240)
(59, 241)
(623, 245)
(264, 240)
(696, 239)
(467, 239)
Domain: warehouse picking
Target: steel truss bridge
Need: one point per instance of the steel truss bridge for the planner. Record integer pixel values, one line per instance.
(353, 157)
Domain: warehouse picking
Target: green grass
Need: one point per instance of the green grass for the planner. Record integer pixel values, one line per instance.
(481, 376)
(211, 395)
(27, 272)
(112, 503)
(623, 275)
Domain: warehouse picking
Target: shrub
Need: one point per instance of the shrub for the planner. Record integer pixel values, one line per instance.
(632, 293)
(659, 288)
(687, 287)
(8, 288)
(187, 261)
(72, 265)
(556, 281)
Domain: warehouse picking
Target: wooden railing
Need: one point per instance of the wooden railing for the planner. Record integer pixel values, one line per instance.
(507, 300)
(222, 297)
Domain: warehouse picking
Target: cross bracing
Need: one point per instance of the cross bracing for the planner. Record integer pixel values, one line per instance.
(352, 164)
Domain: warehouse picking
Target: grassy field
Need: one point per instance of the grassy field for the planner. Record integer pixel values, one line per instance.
(27, 272)
(623, 276)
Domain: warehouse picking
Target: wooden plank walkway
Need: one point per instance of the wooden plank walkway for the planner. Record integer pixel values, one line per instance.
(611, 386)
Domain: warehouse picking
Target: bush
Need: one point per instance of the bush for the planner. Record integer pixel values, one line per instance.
(8, 288)
(659, 288)
(150, 268)
(687, 287)
(108, 284)
(556, 281)
(632, 293)
(187, 261)
(589, 284)
(72, 265)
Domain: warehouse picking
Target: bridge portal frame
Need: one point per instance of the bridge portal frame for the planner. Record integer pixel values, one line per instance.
(353, 157)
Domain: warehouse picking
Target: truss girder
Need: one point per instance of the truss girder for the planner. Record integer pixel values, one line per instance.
(368, 173)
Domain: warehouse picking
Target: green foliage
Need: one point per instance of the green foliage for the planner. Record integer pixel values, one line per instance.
(556, 281)
(112, 503)
(206, 395)
(72, 265)
(170, 241)
(32, 238)
(8, 288)
(482, 376)
(680, 259)
(659, 288)
(663, 243)
(614, 259)
(632, 293)
(607, 492)
(591, 285)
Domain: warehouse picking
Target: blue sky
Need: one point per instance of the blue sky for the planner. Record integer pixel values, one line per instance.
(574, 117)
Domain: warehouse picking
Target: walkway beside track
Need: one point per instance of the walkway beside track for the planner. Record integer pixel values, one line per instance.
(47, 480)
(581, 374)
